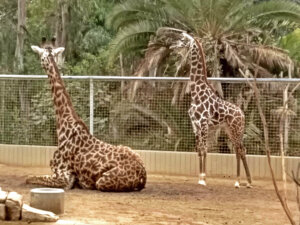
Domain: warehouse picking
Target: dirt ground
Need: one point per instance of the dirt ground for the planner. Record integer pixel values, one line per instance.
(165, 200)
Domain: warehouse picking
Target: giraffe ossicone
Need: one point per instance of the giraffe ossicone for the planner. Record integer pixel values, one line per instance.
(82, 159)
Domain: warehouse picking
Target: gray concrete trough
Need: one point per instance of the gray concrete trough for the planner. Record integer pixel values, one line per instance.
(49, 199)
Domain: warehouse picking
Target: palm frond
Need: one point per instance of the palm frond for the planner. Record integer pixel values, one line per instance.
(136, 116)
(282, 111)
(256, 15)
(149, 65)
(133, 37)
(133, 11)
(271, 57)
(274, 10)
(237, 25)
(232, 56)
(177, 12)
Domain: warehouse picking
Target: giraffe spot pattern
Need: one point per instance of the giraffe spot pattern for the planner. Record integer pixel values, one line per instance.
(208, 110)
(80, 157)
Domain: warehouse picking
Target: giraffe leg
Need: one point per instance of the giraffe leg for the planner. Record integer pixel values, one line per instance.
(109, 180)
(62, 179)
(204, 161)
(247, 171)
(200, 159)
(201, 146)
(115, 179)
(202, 175)
(235, 134)
(238, 169)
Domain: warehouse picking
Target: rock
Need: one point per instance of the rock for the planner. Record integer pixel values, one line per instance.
(3, 196)
(2, 212)
(14, 204)
(31, 214)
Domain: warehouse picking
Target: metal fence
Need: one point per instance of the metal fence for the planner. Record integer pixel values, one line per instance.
(142, 112)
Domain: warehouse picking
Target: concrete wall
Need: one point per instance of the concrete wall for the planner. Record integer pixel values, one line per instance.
(175, 163)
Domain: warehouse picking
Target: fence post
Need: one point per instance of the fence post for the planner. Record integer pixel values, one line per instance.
(91, 106)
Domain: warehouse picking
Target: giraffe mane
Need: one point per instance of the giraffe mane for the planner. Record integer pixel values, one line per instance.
(201, 51)
(75, 115)
(204, 71)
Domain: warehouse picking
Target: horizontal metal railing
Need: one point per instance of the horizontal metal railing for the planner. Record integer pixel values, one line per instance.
(134, 78)
(92, 88)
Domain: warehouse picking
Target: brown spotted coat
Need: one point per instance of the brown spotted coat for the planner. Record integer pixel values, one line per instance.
(208, 110)
(81, 158)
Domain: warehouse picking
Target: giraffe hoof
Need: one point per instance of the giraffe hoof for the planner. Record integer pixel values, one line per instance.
(237, 184)
(249, 185)
(202, 182)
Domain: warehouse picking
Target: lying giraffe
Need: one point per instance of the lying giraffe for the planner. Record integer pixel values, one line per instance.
(208, 110)
(81, 158)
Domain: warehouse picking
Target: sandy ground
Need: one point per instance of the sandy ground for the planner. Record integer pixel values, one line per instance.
(165, 200)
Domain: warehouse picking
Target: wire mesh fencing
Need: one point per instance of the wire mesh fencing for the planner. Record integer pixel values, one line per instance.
(147, 114)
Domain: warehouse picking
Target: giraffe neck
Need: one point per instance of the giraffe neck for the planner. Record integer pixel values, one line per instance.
(198, 73)
(66, 116)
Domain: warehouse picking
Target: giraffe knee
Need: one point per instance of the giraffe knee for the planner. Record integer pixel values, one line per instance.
(199, 153)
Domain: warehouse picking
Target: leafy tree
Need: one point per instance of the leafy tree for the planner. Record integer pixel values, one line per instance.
(86, 53)
(7, 34)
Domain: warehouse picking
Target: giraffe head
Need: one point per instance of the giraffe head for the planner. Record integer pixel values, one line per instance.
(47, 52)
(177, 38)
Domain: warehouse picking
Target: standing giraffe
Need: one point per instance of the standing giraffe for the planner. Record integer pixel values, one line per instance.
(208, 110)
(80, 157)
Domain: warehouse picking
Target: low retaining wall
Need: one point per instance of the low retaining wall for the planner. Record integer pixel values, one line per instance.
(172, 163)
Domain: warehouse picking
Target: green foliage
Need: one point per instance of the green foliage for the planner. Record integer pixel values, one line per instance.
(135, 21)
(158, 125)
(291, 42)
(8, 11)
(86, 54)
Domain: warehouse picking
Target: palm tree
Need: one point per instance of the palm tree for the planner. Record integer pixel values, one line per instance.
(235, 33)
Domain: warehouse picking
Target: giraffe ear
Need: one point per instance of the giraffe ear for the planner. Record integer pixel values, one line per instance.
(37, 49)
(57, 51)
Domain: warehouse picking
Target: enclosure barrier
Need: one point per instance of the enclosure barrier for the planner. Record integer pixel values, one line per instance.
(161, 162)
(148, 113)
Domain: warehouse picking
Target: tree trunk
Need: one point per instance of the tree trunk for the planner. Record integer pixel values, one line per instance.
(19, 69)
(61, 32)
(2, 94)
(18, 62)
(267, 147)
(282, 132)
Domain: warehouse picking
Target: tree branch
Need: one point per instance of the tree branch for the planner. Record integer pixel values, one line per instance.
(267, 148)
